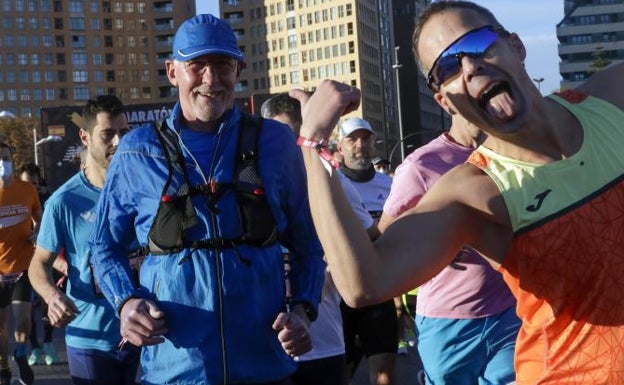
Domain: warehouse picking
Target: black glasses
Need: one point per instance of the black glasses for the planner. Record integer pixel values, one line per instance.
(473, 44)
(221, 67)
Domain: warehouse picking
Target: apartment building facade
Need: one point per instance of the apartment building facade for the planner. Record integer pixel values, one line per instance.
(297, 43)
(62, 52)
(591, 35)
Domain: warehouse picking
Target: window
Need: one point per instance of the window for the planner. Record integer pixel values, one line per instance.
(36, 77)
(60, 58)
(11, 77)
(20, 23)
(49, 94)
(77, 23)
(48, 58)
(24, 95)
(79, 41)
(24, 76)
(34, 59)
(98, 76)
(294, 77)
(79, 58)
(292, 41)
(44, 5)
(97, 59)
(46, 23)
(76, 6)
(293, 59)
(22, 59)
(61, 76)
(80, 76)
(95, 24)
(81, 93)
(47, 41)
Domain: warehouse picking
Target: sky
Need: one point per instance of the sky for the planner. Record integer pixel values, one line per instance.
(534, 21)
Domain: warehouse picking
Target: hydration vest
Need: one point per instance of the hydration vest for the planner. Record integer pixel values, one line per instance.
(176, 213)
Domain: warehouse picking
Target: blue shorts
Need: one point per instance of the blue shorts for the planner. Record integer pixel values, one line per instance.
(468, 351)
(98, 367)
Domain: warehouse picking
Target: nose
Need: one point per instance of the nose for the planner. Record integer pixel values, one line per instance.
(471, 66)
(210, 74)
(115, 141)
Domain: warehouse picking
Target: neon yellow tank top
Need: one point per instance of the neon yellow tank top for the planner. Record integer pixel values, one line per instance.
(566, 263)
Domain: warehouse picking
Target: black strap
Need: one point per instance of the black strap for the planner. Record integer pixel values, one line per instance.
(173, 153)
(247, 175)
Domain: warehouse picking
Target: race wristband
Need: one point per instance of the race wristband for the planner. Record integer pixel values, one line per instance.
(321, 148)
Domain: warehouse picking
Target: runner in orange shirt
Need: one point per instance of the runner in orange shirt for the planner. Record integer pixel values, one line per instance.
(20, 212)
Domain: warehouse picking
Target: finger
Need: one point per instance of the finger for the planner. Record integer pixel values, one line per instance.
(281, 321)
(153, 310)
(301, 95)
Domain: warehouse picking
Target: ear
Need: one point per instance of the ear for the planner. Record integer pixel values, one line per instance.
(518, 46)
(444, 103)
(171, 73)
(239, 68)
(84, 137)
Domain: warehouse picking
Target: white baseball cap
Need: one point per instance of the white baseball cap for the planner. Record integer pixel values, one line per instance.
(348, 126)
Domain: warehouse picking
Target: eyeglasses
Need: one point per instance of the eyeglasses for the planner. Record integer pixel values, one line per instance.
(221, 67)
(473, 44)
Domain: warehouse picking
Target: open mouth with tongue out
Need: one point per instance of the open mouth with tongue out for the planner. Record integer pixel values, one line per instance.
(498, 101)
(491, 92)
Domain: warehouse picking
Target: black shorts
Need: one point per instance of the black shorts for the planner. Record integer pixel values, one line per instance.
(18, 291)
(321, 371)
(370, 330)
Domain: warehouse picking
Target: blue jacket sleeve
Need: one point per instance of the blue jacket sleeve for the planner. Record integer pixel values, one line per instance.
(112, 236)
(299, 235)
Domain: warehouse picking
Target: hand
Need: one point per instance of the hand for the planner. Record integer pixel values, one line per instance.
(142, 322)
(61, 310)
(294, 334)
(322, 110)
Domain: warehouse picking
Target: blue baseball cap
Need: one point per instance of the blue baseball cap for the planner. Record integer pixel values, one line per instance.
(204, 35)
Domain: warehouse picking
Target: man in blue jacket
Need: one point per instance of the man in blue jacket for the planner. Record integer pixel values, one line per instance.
(214, 305)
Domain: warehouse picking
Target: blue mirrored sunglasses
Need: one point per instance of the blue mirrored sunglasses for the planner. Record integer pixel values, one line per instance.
(473, 44)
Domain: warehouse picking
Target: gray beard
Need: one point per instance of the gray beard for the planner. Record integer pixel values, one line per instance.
(360, 164)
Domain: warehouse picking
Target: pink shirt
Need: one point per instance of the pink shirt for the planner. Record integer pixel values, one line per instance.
(470, 288)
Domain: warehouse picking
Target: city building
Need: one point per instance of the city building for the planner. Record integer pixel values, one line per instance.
(297, 43)
(422, 118)
(591, 36)
(62, 52)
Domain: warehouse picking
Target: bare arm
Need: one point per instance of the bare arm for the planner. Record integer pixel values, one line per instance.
(411, 251)
(607, 84)
(61, 309)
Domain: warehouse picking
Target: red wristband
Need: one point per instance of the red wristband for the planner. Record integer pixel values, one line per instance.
(320, 147)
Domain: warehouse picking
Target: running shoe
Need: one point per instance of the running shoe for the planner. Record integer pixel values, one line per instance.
(36, 357)
(50, 353)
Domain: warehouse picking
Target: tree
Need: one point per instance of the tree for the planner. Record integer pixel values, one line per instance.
(18, 133)
(599, 60)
